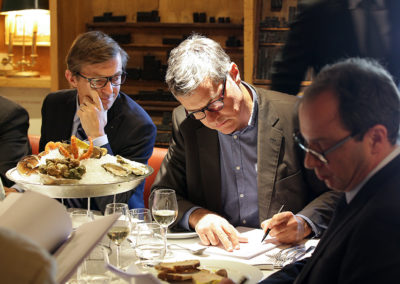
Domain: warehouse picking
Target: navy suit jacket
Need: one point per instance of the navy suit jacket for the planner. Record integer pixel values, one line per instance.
(130, 131)
(361, 244)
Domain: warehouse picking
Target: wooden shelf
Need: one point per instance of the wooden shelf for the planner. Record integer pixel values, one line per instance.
(160, 25)
(266, 44)
(273, 29)
(268, 82)
(40, 82)
(158, 105)
(163, 47)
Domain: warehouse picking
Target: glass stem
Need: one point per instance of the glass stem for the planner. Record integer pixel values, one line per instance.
(118, 251)
(164, 231)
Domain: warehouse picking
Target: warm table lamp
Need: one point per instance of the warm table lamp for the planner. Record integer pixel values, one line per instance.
(25, 18)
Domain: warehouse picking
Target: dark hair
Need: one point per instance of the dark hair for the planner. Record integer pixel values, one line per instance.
(91, 48)
(366, 93)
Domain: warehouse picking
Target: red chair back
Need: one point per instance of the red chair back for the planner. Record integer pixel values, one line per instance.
(155, 162)
(34, 141)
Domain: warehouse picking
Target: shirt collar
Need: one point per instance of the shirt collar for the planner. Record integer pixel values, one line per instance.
(254, 111)
(352, 193)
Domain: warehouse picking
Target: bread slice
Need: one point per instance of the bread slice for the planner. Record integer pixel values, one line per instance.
(179, 266)
(206, 277)
(176, 277)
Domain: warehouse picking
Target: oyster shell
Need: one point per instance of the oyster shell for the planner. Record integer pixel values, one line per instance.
(116, 169)
(138, 170)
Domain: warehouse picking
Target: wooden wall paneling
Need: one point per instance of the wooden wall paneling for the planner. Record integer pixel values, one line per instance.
(249, 11)
(69, 20)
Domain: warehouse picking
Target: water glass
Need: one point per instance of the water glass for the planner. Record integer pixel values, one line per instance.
(138, 216)
(80, 216)
(149, 247)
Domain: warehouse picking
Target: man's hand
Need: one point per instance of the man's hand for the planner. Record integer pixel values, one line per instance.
(287, 228)
(92, 115)
(9, 190)
(213, 229)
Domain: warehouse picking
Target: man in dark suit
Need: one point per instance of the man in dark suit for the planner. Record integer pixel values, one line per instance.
(349, 122)
(97, 108)
(232, 160)
(14, 142)
(325, 31)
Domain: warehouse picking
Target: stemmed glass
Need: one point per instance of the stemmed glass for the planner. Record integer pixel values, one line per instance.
(121, 228)
(164, 209)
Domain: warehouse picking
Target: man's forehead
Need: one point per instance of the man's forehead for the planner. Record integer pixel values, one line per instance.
(319, 115)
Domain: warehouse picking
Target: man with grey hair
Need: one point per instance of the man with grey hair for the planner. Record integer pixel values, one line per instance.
(232, 160)
(95, 107)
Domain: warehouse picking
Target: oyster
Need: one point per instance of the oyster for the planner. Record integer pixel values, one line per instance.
(138, 170)
(28, 165)
(116, 169)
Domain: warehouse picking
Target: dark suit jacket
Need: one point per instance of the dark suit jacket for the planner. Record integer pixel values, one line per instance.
(323, 33)
(130, 131)
(192, 165)
(14, 142)
(361, 244)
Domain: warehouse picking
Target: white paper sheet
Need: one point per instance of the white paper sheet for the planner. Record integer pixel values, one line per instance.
(248, 250)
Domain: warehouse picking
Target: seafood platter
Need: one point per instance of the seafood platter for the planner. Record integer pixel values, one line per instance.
(77, 170)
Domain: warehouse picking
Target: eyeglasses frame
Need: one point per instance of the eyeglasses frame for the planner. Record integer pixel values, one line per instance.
(109, 79)
(206, 108)
(320, 156)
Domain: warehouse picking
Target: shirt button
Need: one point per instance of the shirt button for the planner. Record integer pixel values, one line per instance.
(238, 168)
(244, 221)
(241, 195)
(235, 137)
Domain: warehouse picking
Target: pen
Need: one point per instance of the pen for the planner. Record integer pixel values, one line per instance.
(269, 229)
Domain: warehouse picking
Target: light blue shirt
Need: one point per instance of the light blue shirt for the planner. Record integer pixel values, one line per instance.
(99, 141)
(238, 157)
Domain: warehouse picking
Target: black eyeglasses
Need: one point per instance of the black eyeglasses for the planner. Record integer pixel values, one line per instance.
(101, 82)
(214, 106)
(320, 156)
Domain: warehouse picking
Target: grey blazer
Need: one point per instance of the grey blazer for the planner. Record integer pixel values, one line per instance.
(192, 165)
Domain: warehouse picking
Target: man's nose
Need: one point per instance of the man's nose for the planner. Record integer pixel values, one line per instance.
(311, 161)
(108, 88)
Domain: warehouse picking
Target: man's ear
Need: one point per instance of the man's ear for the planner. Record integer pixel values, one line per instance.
(71, 78)
(378, 137)
(234, 73)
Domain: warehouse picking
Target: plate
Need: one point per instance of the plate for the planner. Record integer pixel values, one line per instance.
(78, 190)
(236, 270)
(181, 235)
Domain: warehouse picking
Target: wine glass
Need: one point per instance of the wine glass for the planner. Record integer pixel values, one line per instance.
(164, 208)
(121, 228)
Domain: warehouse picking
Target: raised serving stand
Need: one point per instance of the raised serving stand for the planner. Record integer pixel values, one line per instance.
(78, 190)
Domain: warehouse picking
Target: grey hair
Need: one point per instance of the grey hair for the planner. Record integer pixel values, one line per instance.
(197, 58)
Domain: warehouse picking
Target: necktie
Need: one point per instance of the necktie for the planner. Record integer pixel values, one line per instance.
(80, 133)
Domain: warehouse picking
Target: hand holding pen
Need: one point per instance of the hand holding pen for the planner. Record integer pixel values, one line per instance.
(287, 228)
(269, 228)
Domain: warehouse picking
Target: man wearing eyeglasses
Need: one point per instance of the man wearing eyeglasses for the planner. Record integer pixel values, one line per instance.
(349, 118)
(232, 160)
(95, 107)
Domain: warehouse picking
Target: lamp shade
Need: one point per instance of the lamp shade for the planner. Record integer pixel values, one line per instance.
(15, 5)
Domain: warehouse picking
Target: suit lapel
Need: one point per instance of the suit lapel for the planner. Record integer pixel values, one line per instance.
(268, 148)
(210, 166)
(68, 117)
